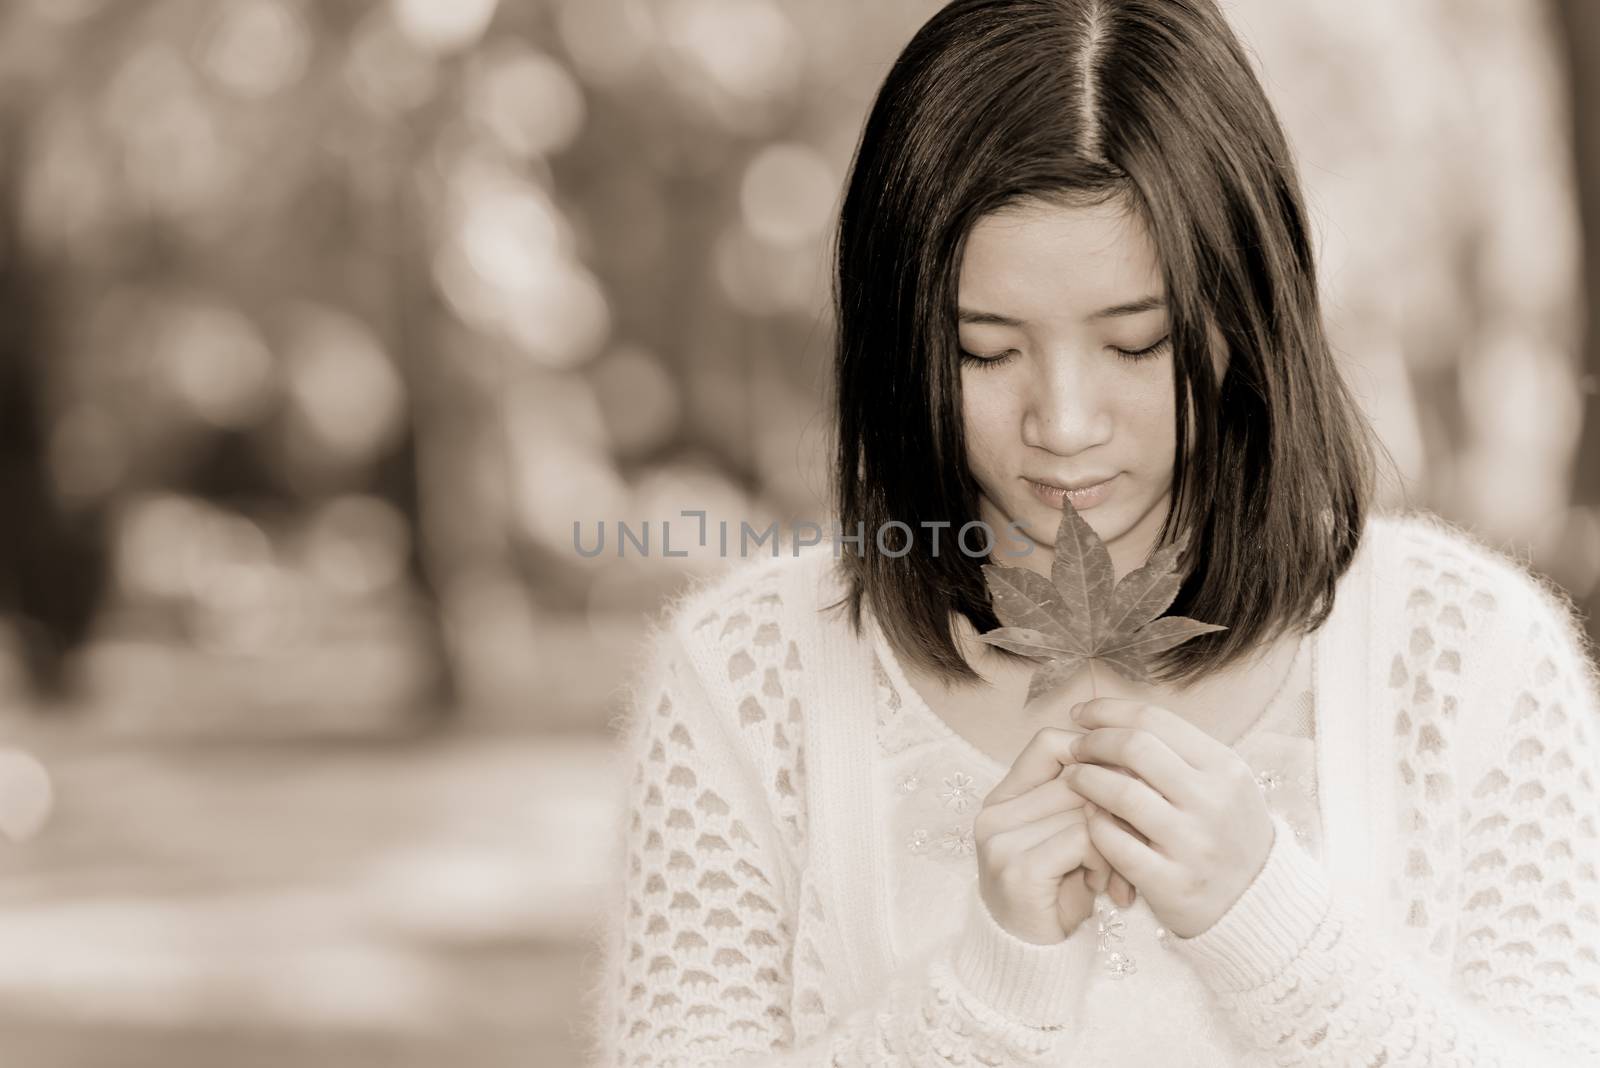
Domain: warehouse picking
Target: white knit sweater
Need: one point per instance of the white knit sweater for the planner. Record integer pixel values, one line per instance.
(1449, 914)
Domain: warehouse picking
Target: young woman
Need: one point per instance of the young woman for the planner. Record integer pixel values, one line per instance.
(1355, 827)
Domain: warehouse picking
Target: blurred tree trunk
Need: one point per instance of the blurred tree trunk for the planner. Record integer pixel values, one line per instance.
(400, 477)
(53, 564)
(1579, 21)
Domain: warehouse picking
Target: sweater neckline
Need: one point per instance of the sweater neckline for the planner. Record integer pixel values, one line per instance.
(914, 704)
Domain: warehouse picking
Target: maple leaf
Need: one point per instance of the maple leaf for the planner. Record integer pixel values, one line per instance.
(1081, 613)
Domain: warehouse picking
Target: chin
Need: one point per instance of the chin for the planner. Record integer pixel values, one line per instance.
(1049, 522)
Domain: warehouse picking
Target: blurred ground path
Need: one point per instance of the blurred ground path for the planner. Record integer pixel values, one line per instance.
(225, 904)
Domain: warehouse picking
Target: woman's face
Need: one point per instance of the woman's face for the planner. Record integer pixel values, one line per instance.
(1067, 308)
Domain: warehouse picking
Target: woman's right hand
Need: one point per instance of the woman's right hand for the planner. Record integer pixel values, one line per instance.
(1038, 871)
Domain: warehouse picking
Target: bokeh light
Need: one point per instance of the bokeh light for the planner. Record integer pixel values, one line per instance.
(788, 194)
(217, 363)
(507, 267)
(155, 541)
(346, 392)
(527, 101)
(175, 548)
(640, 399)
(747, 49)
(173, 156)
(26, 795)
(445, 25)
(762, 279)
(609, 40)
(386, 69)
(258, 47)
(68, 194)
(664, 492)
(561, 482)
(357, 545)
(564, 320)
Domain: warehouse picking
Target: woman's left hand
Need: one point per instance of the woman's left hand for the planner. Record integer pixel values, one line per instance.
(1189, 828)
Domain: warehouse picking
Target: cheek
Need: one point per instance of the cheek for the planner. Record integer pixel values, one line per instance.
(1149, 416)
(988, 416)
(1149, 400)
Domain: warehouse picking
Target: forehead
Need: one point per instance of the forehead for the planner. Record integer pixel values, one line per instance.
(1037, 260)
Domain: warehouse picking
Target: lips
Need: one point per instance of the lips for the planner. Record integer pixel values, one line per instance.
(1074, 484)
(1089, 496)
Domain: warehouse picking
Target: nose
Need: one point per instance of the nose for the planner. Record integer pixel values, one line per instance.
(1066, 410)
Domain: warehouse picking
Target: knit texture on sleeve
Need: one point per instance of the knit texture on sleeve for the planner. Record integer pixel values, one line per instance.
(1498, 881)
(708, 958)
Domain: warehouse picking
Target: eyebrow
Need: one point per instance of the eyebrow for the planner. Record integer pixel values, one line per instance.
(1133, 307)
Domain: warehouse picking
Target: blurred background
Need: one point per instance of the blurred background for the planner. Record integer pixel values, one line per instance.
(323, 321)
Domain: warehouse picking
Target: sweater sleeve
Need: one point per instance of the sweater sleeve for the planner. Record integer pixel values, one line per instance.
(1309, 984)
(702, 944)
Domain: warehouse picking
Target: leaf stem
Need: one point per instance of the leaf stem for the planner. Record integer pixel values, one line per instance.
(1094, 691)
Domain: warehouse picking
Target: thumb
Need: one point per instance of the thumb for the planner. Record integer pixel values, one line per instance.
(1097, 870)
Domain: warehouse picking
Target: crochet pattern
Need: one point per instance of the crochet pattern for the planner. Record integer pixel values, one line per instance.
(719, 949)
(713, 963)
(1499, 876)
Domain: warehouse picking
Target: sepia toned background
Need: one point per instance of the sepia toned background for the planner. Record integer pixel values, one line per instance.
(322, 322)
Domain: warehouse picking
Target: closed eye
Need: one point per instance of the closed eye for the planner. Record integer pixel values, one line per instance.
(972, 359)
(1149, 352)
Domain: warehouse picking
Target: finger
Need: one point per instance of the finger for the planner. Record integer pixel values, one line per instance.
(1073, 884)
(1124, 824)
(1144, 754)
(1185, 739)
(1129, 797)
(1040, 761)
(1098, 880)
(1135, 860)
(1066, 851)
(1090, 808)
(1020, 839)
(1043, 800)
(1121, 891)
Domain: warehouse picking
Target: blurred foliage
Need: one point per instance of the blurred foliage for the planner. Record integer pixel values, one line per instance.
(327, 321)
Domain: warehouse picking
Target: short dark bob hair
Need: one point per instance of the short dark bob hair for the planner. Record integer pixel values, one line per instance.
(1151, 103)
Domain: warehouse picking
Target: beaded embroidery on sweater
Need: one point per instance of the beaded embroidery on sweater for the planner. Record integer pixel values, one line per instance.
(716, 951)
